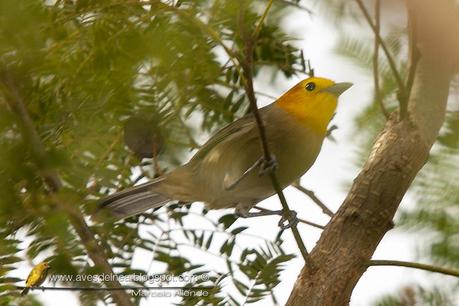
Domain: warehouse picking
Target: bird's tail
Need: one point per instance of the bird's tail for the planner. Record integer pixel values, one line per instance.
(132, 201)
(25, 291)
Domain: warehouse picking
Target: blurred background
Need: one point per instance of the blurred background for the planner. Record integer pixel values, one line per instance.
(99, 96)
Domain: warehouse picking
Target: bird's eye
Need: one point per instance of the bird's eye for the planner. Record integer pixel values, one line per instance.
(310, 86)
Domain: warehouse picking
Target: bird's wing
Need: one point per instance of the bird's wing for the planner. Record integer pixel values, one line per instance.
(245, 123)
(27, 282)
(30, 278)
(42, 277)
(236, 126)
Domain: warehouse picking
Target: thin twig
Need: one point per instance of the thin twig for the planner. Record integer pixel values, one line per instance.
(414, 265)
(248, 85)
(52, 181)
(216, 230)
(251, 287)
(204, 27)
(378, 97)
(121, 288)
(298, 6)
(257, 30)
(415, 55)
(236, 87)
(202, 249)
(280, 66)
(315, 199)
(299, 220)
(310, 69)
(390, 59)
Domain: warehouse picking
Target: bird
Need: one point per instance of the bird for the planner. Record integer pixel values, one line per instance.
(228, 170)
(36, 276)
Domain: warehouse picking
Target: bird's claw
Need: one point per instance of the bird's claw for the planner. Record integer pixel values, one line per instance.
(288, 222)
(268, 166)
(285, 222)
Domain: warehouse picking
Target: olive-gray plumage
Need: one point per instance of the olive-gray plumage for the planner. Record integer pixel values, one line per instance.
(213, 175)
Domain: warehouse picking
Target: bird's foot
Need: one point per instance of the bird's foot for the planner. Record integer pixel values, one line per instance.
(287, 222)
(245, 214)
(284, 223)
(267, 166)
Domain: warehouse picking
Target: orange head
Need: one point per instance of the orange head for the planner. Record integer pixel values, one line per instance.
(44, 265)
(313, 102)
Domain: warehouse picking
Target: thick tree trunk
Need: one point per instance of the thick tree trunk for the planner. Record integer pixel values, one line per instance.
(400, 151)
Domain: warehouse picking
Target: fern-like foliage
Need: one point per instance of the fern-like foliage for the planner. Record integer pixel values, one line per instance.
(85, 68)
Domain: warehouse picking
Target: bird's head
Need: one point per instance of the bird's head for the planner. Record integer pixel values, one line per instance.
(313, 101)
(44, 265)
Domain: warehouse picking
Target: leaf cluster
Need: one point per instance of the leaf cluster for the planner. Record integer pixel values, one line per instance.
(85, 68)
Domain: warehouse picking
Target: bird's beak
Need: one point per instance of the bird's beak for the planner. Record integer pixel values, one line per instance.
(338, 88)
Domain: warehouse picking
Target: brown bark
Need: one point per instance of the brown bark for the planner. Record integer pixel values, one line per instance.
(400, 151)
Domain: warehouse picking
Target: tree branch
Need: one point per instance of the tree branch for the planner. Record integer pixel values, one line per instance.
(236, 87)
(414, 51)
(315, 199)
(378, 97)
(414, 265)
(399, 152)
(299, 220)
(233, 57)
(257, 30)
(247, 66)
(95, 251)
(297, 5)
(366, 215)
(390, 59)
